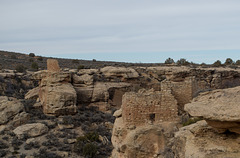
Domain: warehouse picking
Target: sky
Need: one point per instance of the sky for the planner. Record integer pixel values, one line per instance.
(123, 30)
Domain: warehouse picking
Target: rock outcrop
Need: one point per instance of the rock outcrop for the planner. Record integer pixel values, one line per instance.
(121, 72)
(202, 141)
(56, 93)
(220, 108)
(31, 130)
(9, 107)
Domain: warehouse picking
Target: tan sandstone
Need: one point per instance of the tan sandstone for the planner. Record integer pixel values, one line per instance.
(52, 65)
(219, 107)
(9, 107)
(202, 141)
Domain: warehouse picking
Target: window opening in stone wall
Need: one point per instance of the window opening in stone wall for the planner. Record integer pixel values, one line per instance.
(152, 117)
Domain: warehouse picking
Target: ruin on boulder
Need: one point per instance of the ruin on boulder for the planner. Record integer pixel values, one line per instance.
(56, 93)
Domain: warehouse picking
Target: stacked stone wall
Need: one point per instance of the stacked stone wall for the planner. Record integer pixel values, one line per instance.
(182, 91)
(149, 107)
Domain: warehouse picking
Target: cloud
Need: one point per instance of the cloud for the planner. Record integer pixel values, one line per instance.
(93, 26)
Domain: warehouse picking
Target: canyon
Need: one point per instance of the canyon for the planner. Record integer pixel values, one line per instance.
(137, 111)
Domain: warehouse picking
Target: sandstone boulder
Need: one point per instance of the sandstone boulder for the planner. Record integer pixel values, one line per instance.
(59, 99)
(83, 79)
(125, 73)
(219, 107)
(56, 93)
(32, 94)
(202, 141)
(147, 141)
(84, 94)
(87, 71)
(20, 119)
(31, 130)
(118, 113)
(9, 107)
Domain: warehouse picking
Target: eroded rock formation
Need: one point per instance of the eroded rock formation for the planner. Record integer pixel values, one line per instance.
(56, 93)
(202, 141)
(220, 108)
(9, 107)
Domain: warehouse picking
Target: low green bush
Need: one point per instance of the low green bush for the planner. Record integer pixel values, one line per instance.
(80, 67)
(34, 66)
(90, 150)
(31, 54)
(86, 145)
(20, 68)
(192, 121)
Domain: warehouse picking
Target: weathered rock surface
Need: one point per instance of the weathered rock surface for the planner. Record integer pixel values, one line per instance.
(83, 79)
(52, 65)
(125, 73)
(32, 94)
(202, 141)
(56, 93)
(31, 130)
(9, 107)
(219, 107)
(142, 142)
(58, 99)
(20, 119)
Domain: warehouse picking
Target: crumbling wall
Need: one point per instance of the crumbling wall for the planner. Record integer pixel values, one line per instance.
(148, 107)
(182, 91)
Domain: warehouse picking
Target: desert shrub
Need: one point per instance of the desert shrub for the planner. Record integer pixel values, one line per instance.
(92, 136)
(31, 54)
(94, 60)
(217, 63)
(27, 147)
(97, 118)
(30, 60)
(229, 61)
(13, 56)
(40, 58)
(23, 156)
(3, 153)
(34, 66)
(66, 120)
(64, 147)
(86, 144)
(75, 61)
(169, 61)
(20, 68)
(183, 61)
(191, 121)
(90, 150)
(45, 154)
(3, 145)
(80, 67)
(238, 62)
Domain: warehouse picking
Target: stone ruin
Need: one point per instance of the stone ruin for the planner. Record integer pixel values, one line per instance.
(149, 107)
(56, 93)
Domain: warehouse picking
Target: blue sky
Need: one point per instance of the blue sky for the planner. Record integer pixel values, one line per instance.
(126, 30)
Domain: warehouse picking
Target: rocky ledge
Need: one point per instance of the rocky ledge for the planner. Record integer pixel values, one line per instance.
(220, 108)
